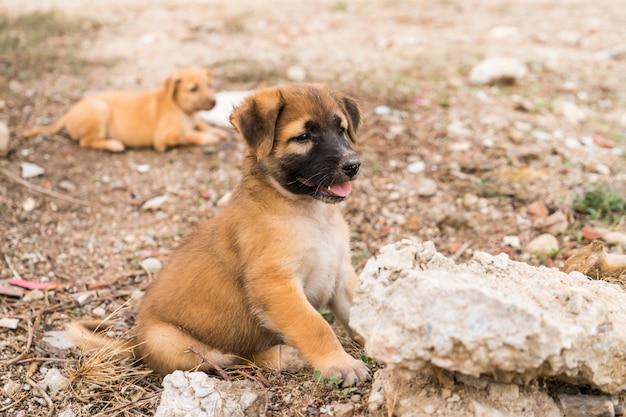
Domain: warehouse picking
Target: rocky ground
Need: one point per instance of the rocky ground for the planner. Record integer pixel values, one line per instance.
(534, 150)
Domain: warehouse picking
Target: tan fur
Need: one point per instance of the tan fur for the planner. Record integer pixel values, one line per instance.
(247, 285)
(160, 118)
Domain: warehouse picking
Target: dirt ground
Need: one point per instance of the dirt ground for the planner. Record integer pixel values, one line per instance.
(470, 167)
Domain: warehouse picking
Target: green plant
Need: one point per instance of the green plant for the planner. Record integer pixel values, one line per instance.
(600, 202)
(333, 382)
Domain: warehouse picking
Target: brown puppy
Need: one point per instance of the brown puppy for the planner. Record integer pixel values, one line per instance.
(247, 285)
(160, 118)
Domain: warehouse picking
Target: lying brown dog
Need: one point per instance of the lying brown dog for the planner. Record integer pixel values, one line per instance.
(247, 285)
(160, 118)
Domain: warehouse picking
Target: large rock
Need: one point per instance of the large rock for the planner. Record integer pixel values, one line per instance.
(496, 317)
(195, 394)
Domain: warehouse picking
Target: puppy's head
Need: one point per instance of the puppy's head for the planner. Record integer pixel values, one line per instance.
(191, 89)
(301, 137)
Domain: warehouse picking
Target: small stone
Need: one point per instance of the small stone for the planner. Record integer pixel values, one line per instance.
(503, 392)
(67, 413)
(543, 245)
(586, 406)
(33, 296)
(152, 265)
(53, 382)
(29, 204)
(99, 312)
(143, 168)
(58, 339)
(155, 203)
(296, 73)
(4, 139)
(416, 167)
(343, 410)
(11, 387)
(223, 200)
(430, 409)
(512, 241)
(427, 188)
(496, 70)
(9, 323)
(382, 110)
(67, 185)
(30, 170)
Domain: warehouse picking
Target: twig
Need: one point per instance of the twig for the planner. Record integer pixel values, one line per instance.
(126, 405)
(13, 271)
(458, 253)
(43, 393)
(42, 190)
(217, 368)
(29, 342)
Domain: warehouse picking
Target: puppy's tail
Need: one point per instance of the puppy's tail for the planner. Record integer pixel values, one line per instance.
(45, 130)
(89, 336)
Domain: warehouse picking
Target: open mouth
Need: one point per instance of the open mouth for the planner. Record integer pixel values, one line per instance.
(332, 192)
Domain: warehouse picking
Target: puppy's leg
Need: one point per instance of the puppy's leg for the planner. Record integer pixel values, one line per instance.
(282, 358)
(203, 127)
(342, 301)
(88, 123)
(287, 311)
(196, 137)
(165, 348)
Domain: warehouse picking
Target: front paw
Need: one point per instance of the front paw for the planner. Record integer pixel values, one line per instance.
(350, 371)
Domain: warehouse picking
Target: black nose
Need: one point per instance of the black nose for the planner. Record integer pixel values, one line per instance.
(351, 168)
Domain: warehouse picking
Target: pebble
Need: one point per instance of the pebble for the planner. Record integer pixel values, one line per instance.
(53, 382)
(67, 185)
(29, 204)
(343, 410)
(11, 387)
(33, 295)
(497, 69)
(30, 170)
(152, 265)
(143, 168)
(296, 73)
(416, 167)
(99, 311)
(427, 188)
(382, 110)
(155, 203)
(543, 245)
(58, 339)
(9, 323)
(4, 139)
(586, 405)
(512, 241)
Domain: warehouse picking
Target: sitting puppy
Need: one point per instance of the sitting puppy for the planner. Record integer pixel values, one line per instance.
(160, 118)
(247, 285)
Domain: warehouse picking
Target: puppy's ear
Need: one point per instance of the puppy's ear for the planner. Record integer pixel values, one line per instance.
(171, 84)
(352, 109)
(256, 120)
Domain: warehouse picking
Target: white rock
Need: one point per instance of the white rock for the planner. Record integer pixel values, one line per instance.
(512, 241)
(9, 323)
(225, 102)
(426, 187)
(543, 245)
(416, 167)
(53, 382)
(30, 170)
(296, 73)
(152, 265)
(58, 339)
(11, 387)
(414, 307)
(155, 203)
(493, 70)
(191, 394)
(29, 204)
(33, 295)
(4, 139)
(571, 111)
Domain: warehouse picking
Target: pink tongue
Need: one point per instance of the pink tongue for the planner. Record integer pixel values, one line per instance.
(341, 190)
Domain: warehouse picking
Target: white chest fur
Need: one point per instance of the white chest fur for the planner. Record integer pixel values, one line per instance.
(324, 254)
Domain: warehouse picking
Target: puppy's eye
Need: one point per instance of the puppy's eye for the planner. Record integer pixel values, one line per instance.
(305, 137)
(194, 89)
